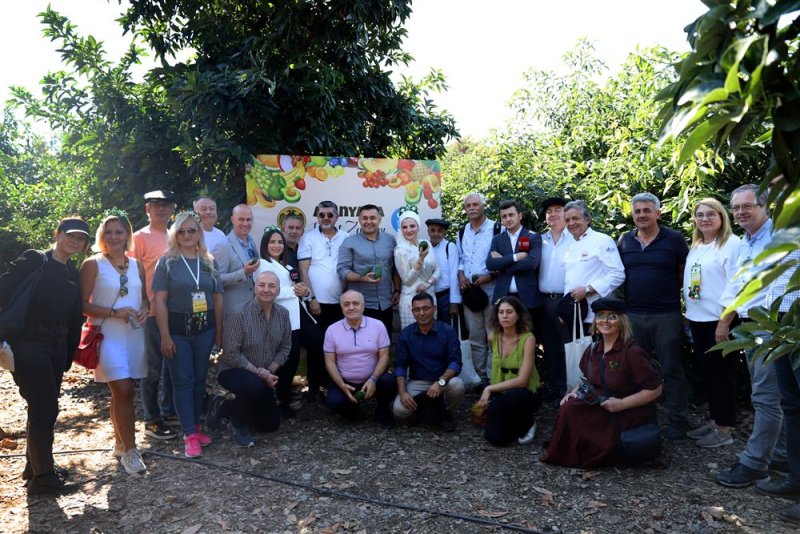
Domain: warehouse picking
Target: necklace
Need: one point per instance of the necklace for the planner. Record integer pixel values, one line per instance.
(121, 268)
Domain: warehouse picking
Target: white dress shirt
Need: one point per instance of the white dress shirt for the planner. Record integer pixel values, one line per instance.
(447, 259)
(593, 260)
(551, 271)
(717, 267)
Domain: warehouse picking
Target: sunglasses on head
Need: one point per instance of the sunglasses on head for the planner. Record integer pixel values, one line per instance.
(123, 290)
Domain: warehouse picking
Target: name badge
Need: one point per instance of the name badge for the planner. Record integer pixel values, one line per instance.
(199, 302)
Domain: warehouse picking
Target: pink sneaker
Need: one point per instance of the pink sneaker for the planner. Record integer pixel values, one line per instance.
(201, 436)
(191, 444)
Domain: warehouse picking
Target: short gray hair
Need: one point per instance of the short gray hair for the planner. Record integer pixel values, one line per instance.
(761, 199)
(646, 197)
(579, 205)
(475, 194)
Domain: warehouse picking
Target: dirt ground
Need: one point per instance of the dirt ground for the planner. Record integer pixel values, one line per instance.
(320, 474)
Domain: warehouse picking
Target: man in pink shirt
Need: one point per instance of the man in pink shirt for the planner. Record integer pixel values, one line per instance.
(357, 356)
(150, 243)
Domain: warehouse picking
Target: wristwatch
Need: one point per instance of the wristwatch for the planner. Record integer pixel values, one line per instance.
(442, 382)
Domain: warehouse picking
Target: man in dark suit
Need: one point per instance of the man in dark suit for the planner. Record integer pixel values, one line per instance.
(514, 257)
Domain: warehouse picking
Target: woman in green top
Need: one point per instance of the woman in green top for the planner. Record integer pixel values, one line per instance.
(512, 396)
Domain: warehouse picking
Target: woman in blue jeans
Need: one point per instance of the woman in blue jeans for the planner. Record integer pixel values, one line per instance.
(188, 301)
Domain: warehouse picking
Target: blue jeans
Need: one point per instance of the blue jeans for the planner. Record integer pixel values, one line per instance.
(154, 406)
(767, 440)
(189, 368)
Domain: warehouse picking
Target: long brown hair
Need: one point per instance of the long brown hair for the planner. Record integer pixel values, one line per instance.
(524, 322)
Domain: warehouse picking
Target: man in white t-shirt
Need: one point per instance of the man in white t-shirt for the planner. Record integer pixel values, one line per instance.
(207, 209)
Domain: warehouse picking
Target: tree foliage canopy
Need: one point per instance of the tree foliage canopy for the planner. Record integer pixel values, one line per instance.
(592, 135)
(262, 77)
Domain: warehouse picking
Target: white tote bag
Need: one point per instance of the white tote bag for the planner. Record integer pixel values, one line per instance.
(468, 374)
(574, 350)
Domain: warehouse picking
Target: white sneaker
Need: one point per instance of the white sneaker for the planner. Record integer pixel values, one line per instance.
(527, 439)
(132, 462)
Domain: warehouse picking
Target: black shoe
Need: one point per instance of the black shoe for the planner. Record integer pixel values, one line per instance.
(783, 488)
(448, 423)
(286, 411)
(171, 420)
(741, 476)
(158, 430)
(213, 417)
(780, 466)
(50, 483)
(385, 419)
(60, 472)
(791, 514)
(241, 435)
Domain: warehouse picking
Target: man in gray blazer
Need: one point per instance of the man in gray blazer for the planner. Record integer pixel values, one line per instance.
(237, 259)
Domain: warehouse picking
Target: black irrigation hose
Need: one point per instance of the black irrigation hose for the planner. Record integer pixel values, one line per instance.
(308, 487)
(344, 495)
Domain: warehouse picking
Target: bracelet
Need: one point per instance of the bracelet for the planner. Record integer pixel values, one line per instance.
(373, 379)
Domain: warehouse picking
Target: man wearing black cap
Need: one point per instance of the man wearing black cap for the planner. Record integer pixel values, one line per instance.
(553, 332)
(448, 295)
(149, 244)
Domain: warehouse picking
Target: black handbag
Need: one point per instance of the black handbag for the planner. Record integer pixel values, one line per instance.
(15, 311)
(641, 444)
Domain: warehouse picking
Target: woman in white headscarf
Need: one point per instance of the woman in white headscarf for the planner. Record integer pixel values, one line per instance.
(415, 265)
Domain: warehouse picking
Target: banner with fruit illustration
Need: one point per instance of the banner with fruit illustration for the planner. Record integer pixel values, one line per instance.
(279, 185)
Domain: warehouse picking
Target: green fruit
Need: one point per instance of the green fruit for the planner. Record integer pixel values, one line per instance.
(423, 245)
(414, 199)
(274, 191)
(294, 196)
(360, 395)
(367, 271)
(377, 272)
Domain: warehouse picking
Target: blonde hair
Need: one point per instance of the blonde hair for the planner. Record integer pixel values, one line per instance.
(173, 250)
(724, 229)
(625, 327)
(99, 241)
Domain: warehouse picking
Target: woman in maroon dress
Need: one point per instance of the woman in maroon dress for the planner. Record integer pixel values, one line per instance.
(594, 413)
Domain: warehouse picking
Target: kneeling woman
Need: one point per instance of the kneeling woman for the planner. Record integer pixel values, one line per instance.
(511, 396)
(618, 393)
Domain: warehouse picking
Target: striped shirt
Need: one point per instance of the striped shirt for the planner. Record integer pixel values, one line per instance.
(251, 338)
(778, 287)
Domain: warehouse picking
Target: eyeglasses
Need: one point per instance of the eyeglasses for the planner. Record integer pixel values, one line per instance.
(421, 309)
(700, 215)
(123, 290)
(743, 207)
(326, 215)
(611, 317)
(187, 231)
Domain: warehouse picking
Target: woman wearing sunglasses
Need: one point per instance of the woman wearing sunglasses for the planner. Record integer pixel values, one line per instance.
(114, 298)
(188, 301)
(43, 348)
(618, 394)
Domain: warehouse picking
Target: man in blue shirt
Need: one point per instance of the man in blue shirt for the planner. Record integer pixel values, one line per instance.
(428, 360)
(654, 257)
(766, 446)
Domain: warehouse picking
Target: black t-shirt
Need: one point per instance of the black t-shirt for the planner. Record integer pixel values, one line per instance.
(56, 301)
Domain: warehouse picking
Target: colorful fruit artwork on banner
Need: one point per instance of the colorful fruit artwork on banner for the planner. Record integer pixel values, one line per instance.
(288, 185)
(274, 178)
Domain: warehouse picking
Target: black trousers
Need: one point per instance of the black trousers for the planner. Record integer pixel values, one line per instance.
(719, 373)
(40, 367)
(307, 336)
(553, 334)
(329, 314)
(385, 316)
(254, 404)
(510, 415)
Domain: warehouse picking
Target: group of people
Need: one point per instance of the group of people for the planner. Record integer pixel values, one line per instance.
(164, 296)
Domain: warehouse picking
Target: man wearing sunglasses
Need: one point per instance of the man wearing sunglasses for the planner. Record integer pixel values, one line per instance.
(238, 260)
(150, 243)
(317, 254)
